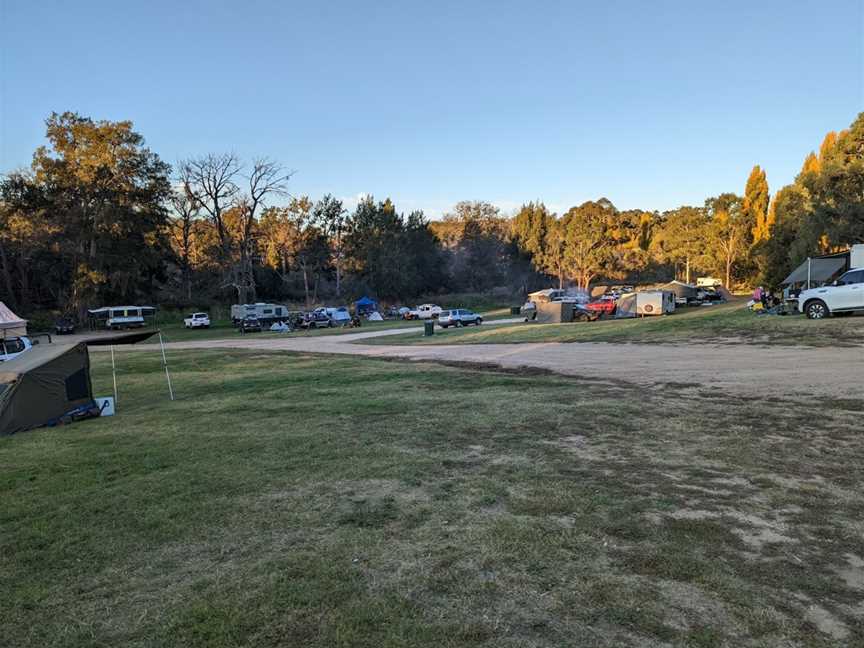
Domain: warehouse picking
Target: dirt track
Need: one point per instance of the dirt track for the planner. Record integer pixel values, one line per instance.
(741, 369)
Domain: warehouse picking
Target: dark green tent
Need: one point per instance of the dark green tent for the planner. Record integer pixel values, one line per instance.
(44, 384)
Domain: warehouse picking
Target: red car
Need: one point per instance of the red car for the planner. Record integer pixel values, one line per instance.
(604, 306)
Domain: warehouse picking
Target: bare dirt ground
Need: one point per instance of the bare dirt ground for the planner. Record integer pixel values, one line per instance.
(742, 369)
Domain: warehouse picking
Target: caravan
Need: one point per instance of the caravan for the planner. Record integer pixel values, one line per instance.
(120, 317)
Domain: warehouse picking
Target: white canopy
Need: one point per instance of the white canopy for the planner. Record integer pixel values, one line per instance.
(10, 324)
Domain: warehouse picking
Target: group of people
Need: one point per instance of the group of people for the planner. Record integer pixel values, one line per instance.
(765, 297)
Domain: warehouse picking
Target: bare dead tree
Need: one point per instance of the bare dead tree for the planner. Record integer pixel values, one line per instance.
(212, 181)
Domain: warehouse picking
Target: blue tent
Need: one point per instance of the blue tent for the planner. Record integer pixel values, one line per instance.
(365, 305)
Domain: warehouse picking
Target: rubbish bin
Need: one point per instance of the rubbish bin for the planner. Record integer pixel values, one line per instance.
(515, 310)
(428, 328)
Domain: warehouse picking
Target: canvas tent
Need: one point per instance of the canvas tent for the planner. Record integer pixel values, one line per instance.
(51, 381)
(11, 326)
(43, 385)
(365, 305)
(554, 312)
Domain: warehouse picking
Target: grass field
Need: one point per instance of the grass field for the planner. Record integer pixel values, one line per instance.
(290, 500)
(727, 323)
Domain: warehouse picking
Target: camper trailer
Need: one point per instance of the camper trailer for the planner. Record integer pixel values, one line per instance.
(120, 317)
(264, 313)
(655, 302)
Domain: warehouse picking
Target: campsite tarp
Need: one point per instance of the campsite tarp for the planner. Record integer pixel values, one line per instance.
(10, 324)
(682, 290)
(821, 270)
(365, 305)
(42, 385)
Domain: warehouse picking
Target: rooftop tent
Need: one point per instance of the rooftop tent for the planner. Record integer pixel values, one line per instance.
(10, 324)
(821, 269)
(43, 385)
(365, 305)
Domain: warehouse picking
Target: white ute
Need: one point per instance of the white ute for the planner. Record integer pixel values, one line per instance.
(424, 311)
(197, 320)
(845, 295)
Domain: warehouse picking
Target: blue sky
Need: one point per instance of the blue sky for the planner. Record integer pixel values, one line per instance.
(651, 104)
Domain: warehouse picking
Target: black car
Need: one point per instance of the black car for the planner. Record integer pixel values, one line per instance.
(64, 326)
(250, 325)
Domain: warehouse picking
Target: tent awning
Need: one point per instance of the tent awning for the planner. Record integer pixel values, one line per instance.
(821, 270)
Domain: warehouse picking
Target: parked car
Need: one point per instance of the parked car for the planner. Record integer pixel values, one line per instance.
(846, 295)
(605, 305)
(317, 319)
(11, 348)
(64, 326)
(424, 311)
(459, 317)
(197, 320)
(250, 325)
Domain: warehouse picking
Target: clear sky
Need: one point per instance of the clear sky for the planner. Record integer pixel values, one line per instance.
(651, 104)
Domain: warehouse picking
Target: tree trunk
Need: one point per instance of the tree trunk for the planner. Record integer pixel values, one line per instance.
(338, 278)
(687, 271)
(728, 272)
(306, 285)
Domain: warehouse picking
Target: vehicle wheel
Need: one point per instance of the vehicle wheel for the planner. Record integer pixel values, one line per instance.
(479, 321)
(816, 309)
(444, 325)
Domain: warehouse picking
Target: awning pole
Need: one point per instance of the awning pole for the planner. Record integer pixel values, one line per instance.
(114, 375)
(165, 364)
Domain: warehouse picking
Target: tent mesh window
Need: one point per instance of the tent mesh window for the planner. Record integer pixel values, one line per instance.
(76, 386)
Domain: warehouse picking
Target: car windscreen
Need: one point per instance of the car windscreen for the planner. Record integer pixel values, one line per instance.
(14, 346)
(445, 313)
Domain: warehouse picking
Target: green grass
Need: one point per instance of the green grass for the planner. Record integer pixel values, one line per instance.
(726, 323)
(295, 500)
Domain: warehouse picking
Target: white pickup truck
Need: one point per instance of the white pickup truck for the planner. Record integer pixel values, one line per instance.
(197, 320)
(424, 311)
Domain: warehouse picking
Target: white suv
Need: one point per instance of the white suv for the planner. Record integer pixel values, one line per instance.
(459, 317)
(843, 296)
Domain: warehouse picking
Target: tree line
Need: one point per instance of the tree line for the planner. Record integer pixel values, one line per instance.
(99, 218)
